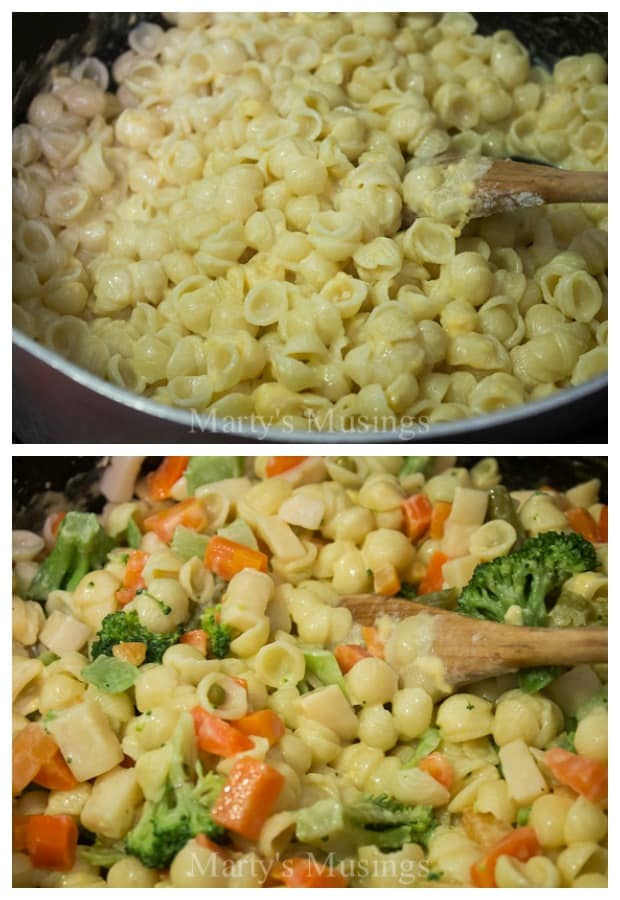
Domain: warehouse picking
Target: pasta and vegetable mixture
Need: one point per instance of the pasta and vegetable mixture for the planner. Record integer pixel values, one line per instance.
(223, 226)
(193, 707)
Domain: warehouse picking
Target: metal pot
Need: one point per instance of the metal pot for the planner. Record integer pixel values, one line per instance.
(55, 401)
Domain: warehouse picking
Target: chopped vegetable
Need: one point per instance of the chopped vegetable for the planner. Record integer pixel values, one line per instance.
(521, 843)
(55, 774)
(125, 627)
(239, 532)
(433, 579)
(374, 644)
(215, 735)
(196, 638)
(446, 599)
(415, 464)
(386, 581)
(348, 655)
(162, 480)
(278, 465)
(248, 797)
(187, 543)
(190, 513)
(81, 546)
(132, 577)
(582, 522)
(441, 511)
(218, 636)
(439, 767)
(51, 842)
(180, 811)
(417, 511)
(100, 855)
(305, 872)
(387, 823)
(583, 775)
(20, 830)
(134, 535)
(428, 742)
(133, 652)
(32, 748)
(531, 681)
(502, 506)
(227, 558)
(207, 469)
(111, 675)
(601, 535)
(523, 815)
(526, 577)
(263, 723)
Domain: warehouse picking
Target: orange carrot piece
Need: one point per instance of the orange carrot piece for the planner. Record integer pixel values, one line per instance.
(417, 511)
(162, 480)
(51, 842)
(248, 797)
(601, 535)
(521, 843)
(433, 579)
(32, 747)
(55, 774)
(133, 652)
(582, 522)
(132, 577)
(263, 723)
(302, 872)
(277, 465)
(583, 775)
(189, 513)
(20, 830)
(196, 638)
(374, 644)
(347, 655)
(217, 736)
(439, 767)
(386, 581)
(226, 558)
(441, 511)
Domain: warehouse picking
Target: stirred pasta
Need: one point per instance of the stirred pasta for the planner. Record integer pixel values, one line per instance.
(223, 231)
(199, 710)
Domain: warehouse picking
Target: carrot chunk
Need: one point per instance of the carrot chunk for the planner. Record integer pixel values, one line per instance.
(439, 767)
(582, 522)
(441, 511)
(132, 577)
(189, 513)
(277, 465)
(417, 511)
(585, 776)
(217, 736)
(521, 843)
(162, 480)
(602, 525)
(248, 797)
(56, 775)
(263, 723)
(196, 638)
(227, 558)
(32, 747)
(51, 842)
(347, 655)
(433, 578)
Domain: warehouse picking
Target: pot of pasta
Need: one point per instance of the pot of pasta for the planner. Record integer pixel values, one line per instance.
(211, 227)
(194, 706)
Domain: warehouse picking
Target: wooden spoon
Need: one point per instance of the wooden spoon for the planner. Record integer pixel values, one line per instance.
(472, 649)
(483, 187)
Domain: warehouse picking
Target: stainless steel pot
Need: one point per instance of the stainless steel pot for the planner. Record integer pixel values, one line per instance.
(55, 401)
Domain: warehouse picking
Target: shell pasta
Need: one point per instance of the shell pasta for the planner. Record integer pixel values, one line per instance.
(226, 229)
(192, 706)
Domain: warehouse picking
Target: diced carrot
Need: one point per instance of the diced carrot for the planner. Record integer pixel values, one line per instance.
(601, 535)
(386, 581)
(215, 735)
(582, 522)
(133, 652)
(20, 829)
(417, 511)
(521, 843)
(302, 872)
(263, 723)
(439, 767)
(55, 774)
(277, 465)
(132, 577)
(197, 639)
(162, 480)
(51, 842)
(226, 558)
(484, 828)
(433, 579)
(248, 797)
(583, 775)
(374, 644)
(347, 655)
(32, 747)
(190, 513)
(441, 511)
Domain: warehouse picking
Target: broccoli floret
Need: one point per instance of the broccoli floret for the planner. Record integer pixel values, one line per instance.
(179, 813)
(218, 636)
(121, 627)
(388, 824)
(527, 578)
(81, 546)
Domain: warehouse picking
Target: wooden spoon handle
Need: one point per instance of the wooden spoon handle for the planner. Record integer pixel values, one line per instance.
(520, 647)
(506, 177)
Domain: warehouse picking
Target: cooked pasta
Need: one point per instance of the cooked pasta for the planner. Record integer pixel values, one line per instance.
(201, 707)
(224, 231)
